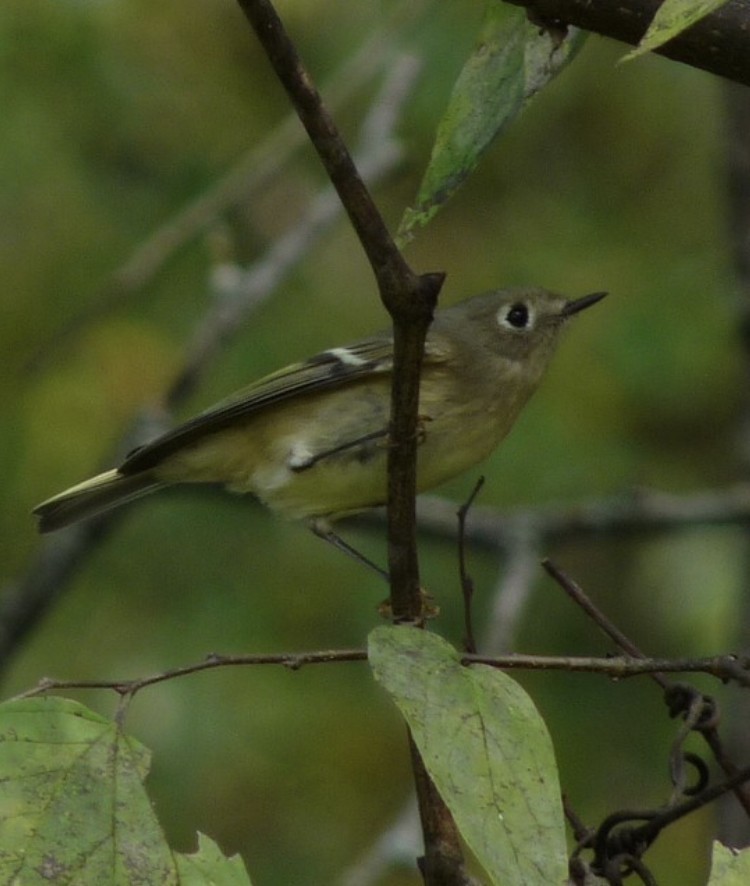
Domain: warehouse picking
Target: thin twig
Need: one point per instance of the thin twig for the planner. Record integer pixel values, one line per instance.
(708, 730)
(467, 582)
(728, 767)
(581, 832)
(581, 599)
(658, 821)
(727, 668)
(292, 660)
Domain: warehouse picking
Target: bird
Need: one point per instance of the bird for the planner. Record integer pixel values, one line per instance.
(310, 441)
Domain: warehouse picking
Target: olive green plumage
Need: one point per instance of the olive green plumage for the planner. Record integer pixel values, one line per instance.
(310, 440)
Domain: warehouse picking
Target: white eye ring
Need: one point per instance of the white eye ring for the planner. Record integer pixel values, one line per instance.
(517, 317)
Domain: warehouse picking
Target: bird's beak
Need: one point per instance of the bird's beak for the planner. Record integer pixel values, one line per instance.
(580, 304)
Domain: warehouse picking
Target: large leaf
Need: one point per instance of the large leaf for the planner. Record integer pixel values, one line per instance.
(486, 748)
(512, 60)
(73, 809)
(672, 18)
(729, 867)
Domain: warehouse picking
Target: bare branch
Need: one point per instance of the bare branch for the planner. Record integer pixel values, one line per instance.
(643, 511)
(680, 699)
(718, 43)
(292, 660)
(467, 582)
(726, 667)
(608, 627)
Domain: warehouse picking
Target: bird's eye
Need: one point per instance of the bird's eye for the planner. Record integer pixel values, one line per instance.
(518, 316)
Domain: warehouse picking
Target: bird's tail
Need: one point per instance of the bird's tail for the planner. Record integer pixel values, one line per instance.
(92, 497)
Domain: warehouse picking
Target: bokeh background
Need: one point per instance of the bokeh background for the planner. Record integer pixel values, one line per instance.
(118, 113)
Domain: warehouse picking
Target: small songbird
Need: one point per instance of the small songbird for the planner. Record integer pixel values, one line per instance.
(310, 441)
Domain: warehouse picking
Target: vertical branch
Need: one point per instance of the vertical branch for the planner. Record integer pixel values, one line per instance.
(408, 297)
(443, 861)
(403, 564)
(410, 300)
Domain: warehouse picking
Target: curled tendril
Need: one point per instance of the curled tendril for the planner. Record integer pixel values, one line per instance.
(625, 864)
(610, 843)
(701, 769)
(699, 710)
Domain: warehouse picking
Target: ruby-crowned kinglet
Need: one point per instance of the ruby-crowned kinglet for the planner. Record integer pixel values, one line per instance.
(310, 440)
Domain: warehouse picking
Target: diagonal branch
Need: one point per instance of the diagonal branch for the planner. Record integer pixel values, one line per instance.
(387, 262)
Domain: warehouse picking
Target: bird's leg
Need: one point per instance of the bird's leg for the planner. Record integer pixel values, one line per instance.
(323, 530)
(319, 525)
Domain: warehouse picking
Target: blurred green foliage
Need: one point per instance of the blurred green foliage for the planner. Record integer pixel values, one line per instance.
(114, 115)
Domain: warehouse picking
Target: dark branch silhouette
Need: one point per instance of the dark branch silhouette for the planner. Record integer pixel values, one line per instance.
(718, 43)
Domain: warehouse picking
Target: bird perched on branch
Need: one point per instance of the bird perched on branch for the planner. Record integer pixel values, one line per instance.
(310, 441)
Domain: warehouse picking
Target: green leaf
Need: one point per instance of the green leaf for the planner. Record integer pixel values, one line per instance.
(672, 18)
(512, 60)
(729, 867)
(486, 748)
(209, 866)
(73, 809)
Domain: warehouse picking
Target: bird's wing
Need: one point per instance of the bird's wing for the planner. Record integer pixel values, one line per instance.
(329, 369)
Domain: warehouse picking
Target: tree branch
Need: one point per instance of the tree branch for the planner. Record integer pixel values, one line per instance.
(718, 43)
(678, 697)
(292, 660)
(409, 298)
(642, 511)
(726, 667)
